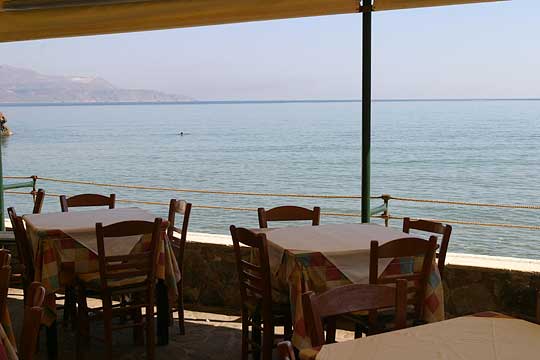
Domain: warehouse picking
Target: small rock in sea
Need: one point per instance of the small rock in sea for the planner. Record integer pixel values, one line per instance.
(4, 130)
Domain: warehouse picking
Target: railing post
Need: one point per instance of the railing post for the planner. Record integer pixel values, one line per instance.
(34, 181)
(386, 214)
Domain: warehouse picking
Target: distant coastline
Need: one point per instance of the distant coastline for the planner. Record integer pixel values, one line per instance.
(225, 102)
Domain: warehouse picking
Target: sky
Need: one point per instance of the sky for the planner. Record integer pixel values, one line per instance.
(489, 50)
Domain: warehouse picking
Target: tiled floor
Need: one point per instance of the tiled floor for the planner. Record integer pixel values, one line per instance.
(208, 336)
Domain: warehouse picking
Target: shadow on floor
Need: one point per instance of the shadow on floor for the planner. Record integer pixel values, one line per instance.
(208, 336)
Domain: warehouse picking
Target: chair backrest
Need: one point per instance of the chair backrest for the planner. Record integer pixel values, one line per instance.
(87, 200)
(286, 351)
(139, 263)
(405, 249)
(33, 311)
(24, 246)
(38, 201)
(254, 275)
(181, 207)
(432, 227)
(288, 213)
(349, 299)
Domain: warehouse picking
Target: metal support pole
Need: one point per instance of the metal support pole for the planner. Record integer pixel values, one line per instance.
(367, 8)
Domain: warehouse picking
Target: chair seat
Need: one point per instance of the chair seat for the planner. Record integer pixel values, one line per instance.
(92, 281)
(385, 320)
(280, 304)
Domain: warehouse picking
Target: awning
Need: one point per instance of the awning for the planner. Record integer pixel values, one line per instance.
(42, 19)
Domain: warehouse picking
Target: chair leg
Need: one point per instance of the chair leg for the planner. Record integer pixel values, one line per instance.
(358, 331)
(287, 327)
(181, 309)
(70, 307)
(150, 334)
(245, 335)
(82, 313)
(268, 340)
(331, 331)
(83, 326)
(256, 327)
(107, 323)
(138, 331)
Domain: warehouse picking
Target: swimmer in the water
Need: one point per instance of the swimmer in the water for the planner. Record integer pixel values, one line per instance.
(181, 133)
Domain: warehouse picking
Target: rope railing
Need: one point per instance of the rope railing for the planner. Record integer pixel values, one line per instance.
(475, 223)
(244, 193)
(216, 207)
(198, 191)
(465, 203)
(384, 216)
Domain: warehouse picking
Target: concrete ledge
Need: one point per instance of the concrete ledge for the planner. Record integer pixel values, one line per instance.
(493, 262)
(206, 238)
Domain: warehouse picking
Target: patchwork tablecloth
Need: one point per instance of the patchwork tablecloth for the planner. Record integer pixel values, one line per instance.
(318, 258)
(65, 245)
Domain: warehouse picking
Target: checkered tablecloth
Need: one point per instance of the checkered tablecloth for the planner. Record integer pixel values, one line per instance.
(343, 259)
(62, 252)
(313, 272)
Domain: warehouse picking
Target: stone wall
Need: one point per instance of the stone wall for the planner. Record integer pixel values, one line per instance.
(472, 283)
(471, 289)
(210, 277)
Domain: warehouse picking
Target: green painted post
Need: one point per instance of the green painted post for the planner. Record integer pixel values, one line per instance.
(367, 8)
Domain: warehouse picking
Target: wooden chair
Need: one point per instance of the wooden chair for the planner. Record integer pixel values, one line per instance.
(349, 299)
(259, 310)
(87, 200)
(179, 244)
(25, 270)
(286, 351)
(33, 310)
(432, 227)
(38, 202)
(406, 248)
(38, 205)
(120, 275)
(288, 213)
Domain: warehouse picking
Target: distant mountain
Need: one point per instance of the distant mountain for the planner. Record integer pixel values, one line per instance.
(27, 86)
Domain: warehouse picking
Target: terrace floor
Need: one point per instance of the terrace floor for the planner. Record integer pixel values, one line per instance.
(208, 336)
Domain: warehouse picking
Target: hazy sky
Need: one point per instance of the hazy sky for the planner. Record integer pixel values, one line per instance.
(481, 50)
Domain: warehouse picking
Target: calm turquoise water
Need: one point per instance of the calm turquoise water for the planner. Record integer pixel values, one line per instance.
(485, 151)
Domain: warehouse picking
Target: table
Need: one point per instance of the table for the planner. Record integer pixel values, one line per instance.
(66, 243)
(321, 257)
(472, 337)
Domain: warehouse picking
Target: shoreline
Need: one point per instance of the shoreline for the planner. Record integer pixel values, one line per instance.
(237, 102)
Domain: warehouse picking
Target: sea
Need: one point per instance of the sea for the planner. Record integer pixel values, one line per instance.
(465, 151)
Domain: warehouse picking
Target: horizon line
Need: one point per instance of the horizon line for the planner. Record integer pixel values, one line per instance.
(275, 101)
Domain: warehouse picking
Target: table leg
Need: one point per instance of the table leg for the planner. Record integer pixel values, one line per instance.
(52, 341)
(163, 313)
